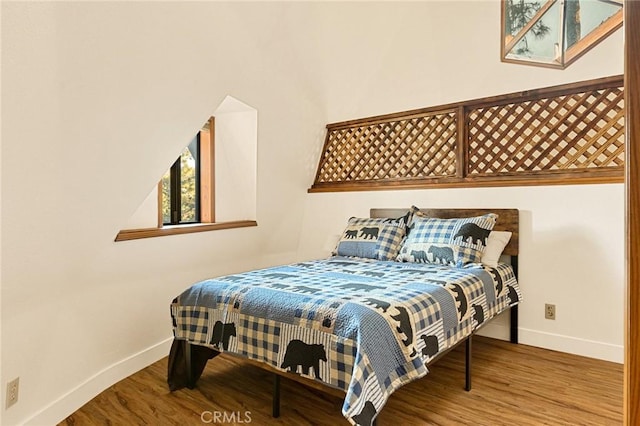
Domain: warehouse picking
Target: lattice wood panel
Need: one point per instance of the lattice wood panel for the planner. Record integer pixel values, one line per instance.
(418, 147)
(575, 132)
(566, 134)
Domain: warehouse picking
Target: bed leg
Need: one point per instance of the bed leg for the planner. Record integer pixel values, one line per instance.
(275, 409)
(514, 324)
(514, 309)
(188, 366)
(467, 365)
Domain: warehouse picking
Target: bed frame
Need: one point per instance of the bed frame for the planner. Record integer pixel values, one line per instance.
(508, 220)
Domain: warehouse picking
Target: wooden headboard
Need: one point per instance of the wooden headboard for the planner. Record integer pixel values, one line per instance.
(508, 220)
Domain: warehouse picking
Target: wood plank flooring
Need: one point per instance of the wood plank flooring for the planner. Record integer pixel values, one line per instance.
(512, 385)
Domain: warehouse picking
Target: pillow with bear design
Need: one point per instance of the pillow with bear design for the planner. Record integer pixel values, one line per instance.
(372, 238)
(455, 242)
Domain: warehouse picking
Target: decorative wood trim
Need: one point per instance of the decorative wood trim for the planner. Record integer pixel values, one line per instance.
(587, 43)
(136, 234)
(567, 134)
(606, 176)
(461, 152)
(506, 47)
(208, 173)
(632, 308)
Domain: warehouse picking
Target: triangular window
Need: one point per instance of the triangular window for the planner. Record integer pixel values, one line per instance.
(555, 33)
(211, 185)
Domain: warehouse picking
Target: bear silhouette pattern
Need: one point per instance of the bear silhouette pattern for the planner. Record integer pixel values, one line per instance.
(442, 255)
(478, 314)
(369, 232)
(305, 289)
(378, 304)
(474, 232)
(419, 256)
(360, 287)
(365, 417)
(222, 333)
(431, 345)
(232, 278)
(404, 327)
(342, 263)
(306, 356)
(496, 278)
(416, 271)
(350, 234)
(278, 275)
(463, 305)
(279, 286)
(513, 295)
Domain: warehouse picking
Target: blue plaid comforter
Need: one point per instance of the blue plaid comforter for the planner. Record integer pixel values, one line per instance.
(364, 326)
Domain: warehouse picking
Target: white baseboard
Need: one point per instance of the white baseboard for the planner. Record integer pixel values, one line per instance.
(495, 331)
(68, 403)
(572, 345)
(557, 342)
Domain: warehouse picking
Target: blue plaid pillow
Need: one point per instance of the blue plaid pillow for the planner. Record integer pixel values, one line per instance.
(378, 238)
(454, 242)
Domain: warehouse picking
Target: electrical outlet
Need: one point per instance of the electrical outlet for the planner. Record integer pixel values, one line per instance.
(12, 391)
(549, 311)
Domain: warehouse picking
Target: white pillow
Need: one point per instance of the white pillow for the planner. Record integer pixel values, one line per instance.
(496, 243)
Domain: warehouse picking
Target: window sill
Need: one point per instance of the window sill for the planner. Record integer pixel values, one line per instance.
(136, 234)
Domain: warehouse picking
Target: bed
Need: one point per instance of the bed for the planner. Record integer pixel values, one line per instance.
(362, 325)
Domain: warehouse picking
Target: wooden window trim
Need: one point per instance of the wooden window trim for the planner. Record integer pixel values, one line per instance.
(207, 202)
(207, 175)
(136, 234)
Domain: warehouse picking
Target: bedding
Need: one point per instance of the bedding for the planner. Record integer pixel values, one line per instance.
(496, 243)
(360, 325)
(454, 242)
(372, 238)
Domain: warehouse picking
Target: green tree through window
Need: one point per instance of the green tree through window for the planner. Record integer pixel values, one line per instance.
(181, 188)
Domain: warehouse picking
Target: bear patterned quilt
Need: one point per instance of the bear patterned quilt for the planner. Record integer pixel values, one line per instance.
(364, 326)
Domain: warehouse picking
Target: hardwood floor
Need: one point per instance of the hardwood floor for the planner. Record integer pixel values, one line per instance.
(512, 385)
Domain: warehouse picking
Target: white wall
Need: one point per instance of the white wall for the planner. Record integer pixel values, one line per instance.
(97, 98)
(146, 215)
(236, 161)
